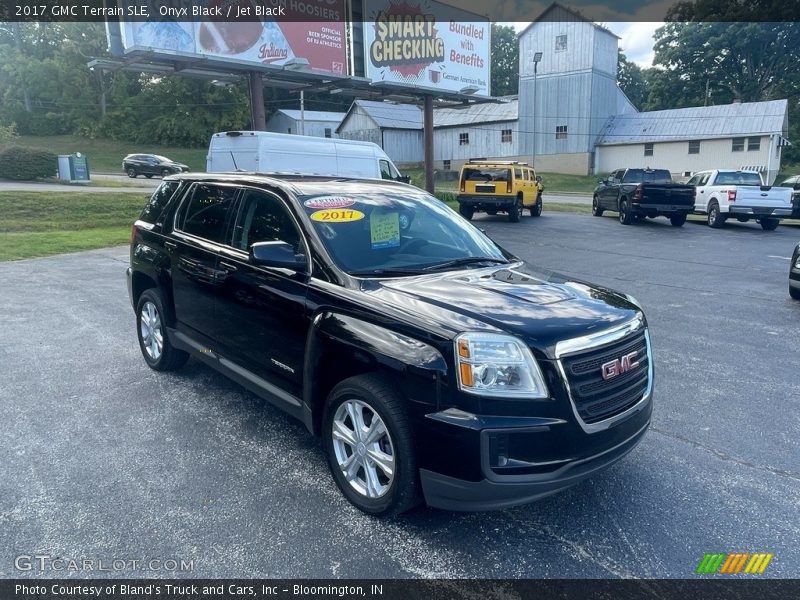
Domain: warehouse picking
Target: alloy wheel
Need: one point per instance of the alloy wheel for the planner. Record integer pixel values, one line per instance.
(150, 328)
(363, 448)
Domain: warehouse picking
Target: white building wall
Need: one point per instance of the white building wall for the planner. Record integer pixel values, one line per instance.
(485, 140)
(403, 146)
(357, 125)
(674, 156)
(281, 123)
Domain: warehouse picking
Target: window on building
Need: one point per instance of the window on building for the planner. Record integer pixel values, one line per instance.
(648, 149)
(327, 132)
(561, 43)
(446, 165)
(505, 136)
(561, 132)
(463, 139)
(289, 130)
(753, 143)
(737, 145)
(694, 147)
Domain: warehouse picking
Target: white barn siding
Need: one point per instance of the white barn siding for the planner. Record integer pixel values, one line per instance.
(484, 141)
(359, 126)
(281, 123)
(403, 146)
(674, 156)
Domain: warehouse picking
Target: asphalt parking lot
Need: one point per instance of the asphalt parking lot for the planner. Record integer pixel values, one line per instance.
(103, 458)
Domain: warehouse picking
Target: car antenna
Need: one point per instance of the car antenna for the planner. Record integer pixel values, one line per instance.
(233, 158)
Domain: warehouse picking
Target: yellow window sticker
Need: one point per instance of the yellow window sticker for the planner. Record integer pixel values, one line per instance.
(384, 229)
(337, 215)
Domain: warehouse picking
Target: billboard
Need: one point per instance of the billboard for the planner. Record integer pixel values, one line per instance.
(251, 41)
(426, 44)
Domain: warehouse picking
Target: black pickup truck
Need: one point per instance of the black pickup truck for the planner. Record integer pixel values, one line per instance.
(432, 362)
(639, 193)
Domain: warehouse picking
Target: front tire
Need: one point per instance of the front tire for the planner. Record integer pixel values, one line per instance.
(596, 210)
(626, 216)
(794, 293)
(536, 209)
(678, 220)
(165, 173)
(514, 211)
(151, 329)
(715, 217)
(770, 224)
(369, 442)
(466, 211)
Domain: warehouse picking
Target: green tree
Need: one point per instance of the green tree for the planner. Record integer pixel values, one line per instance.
(631, 80)
(505, 60)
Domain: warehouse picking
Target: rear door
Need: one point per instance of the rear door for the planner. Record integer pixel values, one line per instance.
(200, 229)
(261, 310)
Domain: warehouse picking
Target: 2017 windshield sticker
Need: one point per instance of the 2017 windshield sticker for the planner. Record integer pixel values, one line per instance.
(384, 229)
(329, 202)
(337, 215)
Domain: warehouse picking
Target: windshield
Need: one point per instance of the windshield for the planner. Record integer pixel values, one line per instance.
(644, 176)
(382, 232)
(738, 178)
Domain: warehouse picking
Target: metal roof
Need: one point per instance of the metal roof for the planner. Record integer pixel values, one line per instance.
(475, 114)
(391, 115)
(313, 115)
(697, 123)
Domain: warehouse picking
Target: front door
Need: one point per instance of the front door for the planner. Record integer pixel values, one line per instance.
(261, 310)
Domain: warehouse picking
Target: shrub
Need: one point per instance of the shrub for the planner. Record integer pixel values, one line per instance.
(26, 164)
(8, 133)
(448, 197)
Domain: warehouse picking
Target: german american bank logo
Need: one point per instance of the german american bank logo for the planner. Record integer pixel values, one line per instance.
(735, 563)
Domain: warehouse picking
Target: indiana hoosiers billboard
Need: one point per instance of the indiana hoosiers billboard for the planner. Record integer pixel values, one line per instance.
(246, 34)
(426, 44)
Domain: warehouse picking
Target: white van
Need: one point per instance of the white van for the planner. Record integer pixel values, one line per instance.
(266, 152)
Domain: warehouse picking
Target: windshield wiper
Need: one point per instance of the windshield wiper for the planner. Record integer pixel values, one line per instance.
(383, 272)
(466, 260)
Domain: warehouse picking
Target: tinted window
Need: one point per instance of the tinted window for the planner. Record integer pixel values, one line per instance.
(385, 172)
(518, 174)
(643, 176)
(740, 178)
(158, 201)
(263, 218)
(477, 174)
(207, 211)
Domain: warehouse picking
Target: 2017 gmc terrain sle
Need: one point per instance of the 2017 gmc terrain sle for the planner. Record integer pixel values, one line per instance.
(434, 364)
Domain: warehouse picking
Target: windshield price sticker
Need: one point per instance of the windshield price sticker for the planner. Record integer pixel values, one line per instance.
(329, 202)
(337, 215)
(384, 229)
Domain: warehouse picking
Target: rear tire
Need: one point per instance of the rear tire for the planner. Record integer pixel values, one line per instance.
(466, 211)
(514, 211)
(151, 328)
(132, 173)
(382, 479)
(715, 218)
(626, 217)
(596, 210)
(678, 220)
(769, 224)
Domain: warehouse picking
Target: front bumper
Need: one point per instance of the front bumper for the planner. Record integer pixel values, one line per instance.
(449, 493)
(488, 201)
(760, 212)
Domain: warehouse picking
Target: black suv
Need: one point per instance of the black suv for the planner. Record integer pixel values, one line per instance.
(433, 363)
(151, 164)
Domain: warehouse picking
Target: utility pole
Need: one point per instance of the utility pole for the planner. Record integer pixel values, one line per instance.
(257, 117)
(427, 127)
(536, 58)
(302, 112)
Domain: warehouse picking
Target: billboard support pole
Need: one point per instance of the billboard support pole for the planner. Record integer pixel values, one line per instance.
(257, 116)
(427, 127)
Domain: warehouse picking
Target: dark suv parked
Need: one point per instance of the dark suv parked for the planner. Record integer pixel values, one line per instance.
(432, 362)
(151, 164)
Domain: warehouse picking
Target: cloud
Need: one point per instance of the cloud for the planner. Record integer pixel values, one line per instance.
(637, 41)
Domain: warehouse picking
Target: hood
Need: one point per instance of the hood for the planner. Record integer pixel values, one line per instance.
(540, 307)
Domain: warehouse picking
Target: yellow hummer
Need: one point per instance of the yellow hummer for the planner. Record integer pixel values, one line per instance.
(496, 186)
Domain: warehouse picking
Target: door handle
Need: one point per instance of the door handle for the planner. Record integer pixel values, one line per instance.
(170, 245)
(228, 266)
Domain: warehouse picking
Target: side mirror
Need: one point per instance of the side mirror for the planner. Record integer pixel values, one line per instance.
(404, 179)
(601, 182)
(538, 178)
(277, 254)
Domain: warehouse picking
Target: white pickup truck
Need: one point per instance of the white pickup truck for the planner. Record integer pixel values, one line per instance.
(741, 194)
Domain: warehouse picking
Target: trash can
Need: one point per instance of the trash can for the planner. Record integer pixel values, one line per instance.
(73, 168)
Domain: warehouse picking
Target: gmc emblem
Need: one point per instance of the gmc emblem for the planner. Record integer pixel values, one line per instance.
(618, 366)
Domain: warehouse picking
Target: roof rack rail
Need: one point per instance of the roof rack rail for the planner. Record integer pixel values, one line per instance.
(496, 162)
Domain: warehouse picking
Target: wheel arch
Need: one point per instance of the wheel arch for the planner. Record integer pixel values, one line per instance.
(341, 346)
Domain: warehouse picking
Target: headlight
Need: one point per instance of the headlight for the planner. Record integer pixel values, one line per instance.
(797, 262)
(494, 364)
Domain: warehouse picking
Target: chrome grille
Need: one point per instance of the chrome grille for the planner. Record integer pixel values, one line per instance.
(597, 399)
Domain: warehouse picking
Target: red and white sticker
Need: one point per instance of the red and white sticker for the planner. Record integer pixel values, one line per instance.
(329, 202)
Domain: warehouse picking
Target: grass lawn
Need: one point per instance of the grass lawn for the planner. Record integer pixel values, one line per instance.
(548, 206)
(39, 224)
(105, 156)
